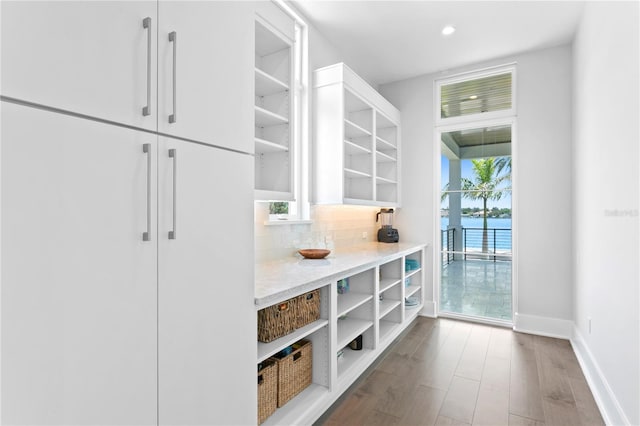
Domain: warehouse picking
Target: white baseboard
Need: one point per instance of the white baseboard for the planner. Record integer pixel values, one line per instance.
(605, 398)
(543, 326)
(429, 309)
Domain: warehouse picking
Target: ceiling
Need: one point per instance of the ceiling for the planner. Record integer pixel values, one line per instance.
(387, 41)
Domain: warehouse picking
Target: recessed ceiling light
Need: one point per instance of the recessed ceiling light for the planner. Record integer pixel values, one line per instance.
(448, 30)
(473, 97)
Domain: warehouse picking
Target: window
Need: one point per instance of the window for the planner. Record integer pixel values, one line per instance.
(480, 95)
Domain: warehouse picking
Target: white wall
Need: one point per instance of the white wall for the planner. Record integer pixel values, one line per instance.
(606, 182)
(543, 171)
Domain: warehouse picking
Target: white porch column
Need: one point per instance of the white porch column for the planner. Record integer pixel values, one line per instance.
(455, 203)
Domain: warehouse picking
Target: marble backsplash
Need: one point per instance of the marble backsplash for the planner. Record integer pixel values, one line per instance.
(332, 227)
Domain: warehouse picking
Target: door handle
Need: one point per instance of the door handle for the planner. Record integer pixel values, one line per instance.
(173, 37)
(173, 154)
(146, 148)
(146, 23)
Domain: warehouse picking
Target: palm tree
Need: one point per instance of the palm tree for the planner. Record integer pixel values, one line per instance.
(501, 164)
(484, 186)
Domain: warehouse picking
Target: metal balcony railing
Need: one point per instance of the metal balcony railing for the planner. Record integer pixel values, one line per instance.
(495, 244)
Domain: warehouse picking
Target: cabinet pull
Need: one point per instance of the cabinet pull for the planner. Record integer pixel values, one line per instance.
(173, 154)
(173, 37)
(146, 148)
(146, 23)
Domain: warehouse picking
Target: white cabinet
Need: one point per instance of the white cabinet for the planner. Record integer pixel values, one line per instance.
(110, 60)
(356, 142)
(79, 313)
(274, 90)
(205, 71)
(205, 285)
(94, 58)
(98, 325)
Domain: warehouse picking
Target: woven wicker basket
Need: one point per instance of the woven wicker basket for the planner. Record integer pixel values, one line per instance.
(294, 372)
(267, 389)
(277, 320)
(308, 307)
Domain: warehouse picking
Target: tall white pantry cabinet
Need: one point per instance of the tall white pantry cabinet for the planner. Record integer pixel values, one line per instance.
(127, 286)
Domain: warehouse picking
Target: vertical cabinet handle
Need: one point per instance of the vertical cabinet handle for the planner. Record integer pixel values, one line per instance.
(173, 37)
(146, 148)
(173, 154)
(146, 23)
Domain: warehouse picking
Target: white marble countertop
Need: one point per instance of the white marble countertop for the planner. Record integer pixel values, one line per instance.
(285, 278)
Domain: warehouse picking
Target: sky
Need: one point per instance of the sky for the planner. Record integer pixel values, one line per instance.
(504, 202)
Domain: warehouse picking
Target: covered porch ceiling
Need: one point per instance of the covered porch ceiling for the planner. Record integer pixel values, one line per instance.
(483, 142)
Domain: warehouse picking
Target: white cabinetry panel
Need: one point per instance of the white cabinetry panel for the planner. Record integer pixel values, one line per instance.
(78, 283)
(86, 57)
(213, 72)
(206, 361)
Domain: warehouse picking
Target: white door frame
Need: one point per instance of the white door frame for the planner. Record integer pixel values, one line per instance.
(437, 271)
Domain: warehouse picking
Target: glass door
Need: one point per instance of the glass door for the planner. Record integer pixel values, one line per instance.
(475, 223)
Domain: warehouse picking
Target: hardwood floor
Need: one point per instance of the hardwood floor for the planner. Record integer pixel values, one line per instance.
(446, 372)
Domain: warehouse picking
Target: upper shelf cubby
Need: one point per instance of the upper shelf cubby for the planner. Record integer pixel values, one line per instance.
(356, 144)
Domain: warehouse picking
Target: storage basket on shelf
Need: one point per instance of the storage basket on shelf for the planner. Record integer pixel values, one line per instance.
(294, 371)
(267, 389)
(277, 320)
(308, 308)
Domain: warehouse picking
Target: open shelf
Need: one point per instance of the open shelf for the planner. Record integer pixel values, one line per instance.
(360, 131)
(386, 328)
(382, 157)
(411, 290)
(267, 84)
(355, 174)
(264, 146)
(352, 130)
(377, 321)
(411, 273)
(265, 350)
(351, 148)
(291, 412)
(268, 118)
(381, 180)
(383, 144)
(387, 283)
(388, 305)
(350, 328)
(349, 301)
(273, 103)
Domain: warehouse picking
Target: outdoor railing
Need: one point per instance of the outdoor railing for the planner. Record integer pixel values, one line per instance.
(497, 247)
(448, 241)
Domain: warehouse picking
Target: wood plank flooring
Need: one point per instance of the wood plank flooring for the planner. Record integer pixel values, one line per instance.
(446, 372)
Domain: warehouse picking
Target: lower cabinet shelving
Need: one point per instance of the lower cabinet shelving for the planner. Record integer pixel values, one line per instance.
(371, 303)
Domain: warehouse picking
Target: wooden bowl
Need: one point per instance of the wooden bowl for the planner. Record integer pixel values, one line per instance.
(314, 253)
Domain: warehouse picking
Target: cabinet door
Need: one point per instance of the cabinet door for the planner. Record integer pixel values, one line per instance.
(207, 319)
(86, 57)
(79, 285)
(206, 72)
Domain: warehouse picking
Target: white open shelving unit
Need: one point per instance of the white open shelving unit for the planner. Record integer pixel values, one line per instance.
(374, 307)
(356, 141)
(273, 111)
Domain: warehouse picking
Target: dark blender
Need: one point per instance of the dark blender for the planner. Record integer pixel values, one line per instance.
(387, 234)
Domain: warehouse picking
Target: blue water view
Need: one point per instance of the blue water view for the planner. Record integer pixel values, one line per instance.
(476, 222)
(501, 237)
